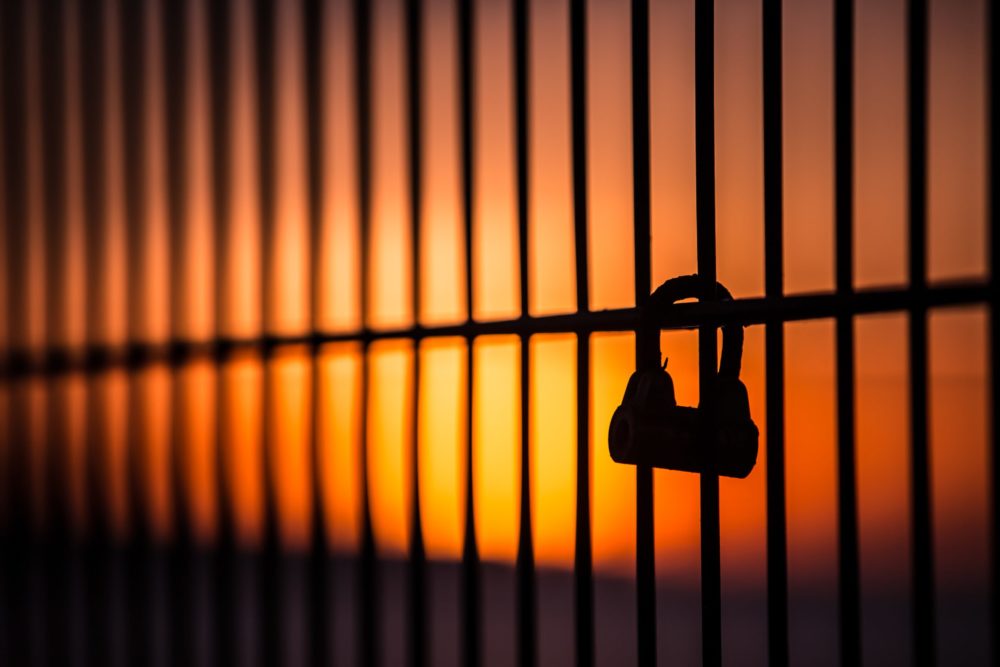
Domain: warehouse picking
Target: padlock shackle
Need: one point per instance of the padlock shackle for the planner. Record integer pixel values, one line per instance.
(696, 287)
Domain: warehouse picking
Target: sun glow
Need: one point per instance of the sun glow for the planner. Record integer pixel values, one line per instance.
(268, 402)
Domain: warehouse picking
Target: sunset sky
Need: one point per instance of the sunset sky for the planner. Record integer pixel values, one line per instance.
(157, 405)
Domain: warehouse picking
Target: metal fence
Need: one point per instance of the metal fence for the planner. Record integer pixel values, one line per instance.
(22, 543)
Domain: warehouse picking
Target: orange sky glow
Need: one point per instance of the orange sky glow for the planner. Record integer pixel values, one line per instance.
(159, 407)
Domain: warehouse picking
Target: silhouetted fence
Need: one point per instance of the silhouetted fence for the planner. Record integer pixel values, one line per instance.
(103, 559)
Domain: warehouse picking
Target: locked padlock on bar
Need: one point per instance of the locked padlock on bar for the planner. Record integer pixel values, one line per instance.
(649, 428)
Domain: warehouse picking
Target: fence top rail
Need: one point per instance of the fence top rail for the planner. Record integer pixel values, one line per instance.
(687, 315)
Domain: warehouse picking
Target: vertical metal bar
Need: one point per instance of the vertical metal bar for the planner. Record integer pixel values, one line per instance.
(368, 588)
(526, 604)
(36, 388)
(53, 39)
(12, 41)
(313, 29)
(6, 478)
(92, 35)
(181, 557)
(647, 343)
(583, 564)
(414, 64)
(176, 46)
(583, 561)
(53, 148)
(36, 392)
(527, 627)
(16, 204)
(131, 23)
(15, 156)
(522, 129)
(53, 86)
(847, 513)
(471, 612)
(270, 566)
(369, 585)
(578, 89)
(923, 542)
(138, 559)
(225, 556)
(72, 115)
(774, 337)
(470, 602)
(993, 208)
(417, 557)
(92, 17)
(711, 602)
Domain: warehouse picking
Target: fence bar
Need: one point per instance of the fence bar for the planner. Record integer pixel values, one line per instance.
(92, 75)
(131, 29)
(711, 591)
(583, 561)
(847, 512)
(133, 74)
(368, 590)
(16, 111)
(17, 556)
(312, 22)
(53, 84)
(647, 342)
(133, 77)
(92, 37)
(52, 35)
(993, 211)
(220, 43)
(924, 639)
(270, 572)
(16, 493)
(418, 569)
(37, 586)
(526, 603)
(176, 45)
(470, 602)
(54, 129)
(774, 337)
(15, 212)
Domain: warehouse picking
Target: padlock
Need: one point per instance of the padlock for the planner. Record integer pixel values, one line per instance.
(649, 428)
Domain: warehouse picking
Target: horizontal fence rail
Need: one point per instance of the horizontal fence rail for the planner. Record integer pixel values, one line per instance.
(747, 311)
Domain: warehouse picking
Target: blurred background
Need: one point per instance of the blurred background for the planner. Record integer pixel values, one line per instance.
(203, 224)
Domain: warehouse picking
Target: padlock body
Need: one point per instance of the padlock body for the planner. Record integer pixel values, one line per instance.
(718, 439)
